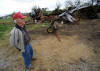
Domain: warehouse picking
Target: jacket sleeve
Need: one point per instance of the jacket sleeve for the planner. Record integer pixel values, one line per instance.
(16, 39)
(12, 37)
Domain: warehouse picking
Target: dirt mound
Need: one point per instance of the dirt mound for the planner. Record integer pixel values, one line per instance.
(51, 53)
(79, 49)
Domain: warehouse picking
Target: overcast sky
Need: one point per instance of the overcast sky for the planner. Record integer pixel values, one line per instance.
(10, 6)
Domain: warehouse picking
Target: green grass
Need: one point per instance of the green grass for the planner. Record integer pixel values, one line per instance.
(5, 28)
(1, 34)
(6, 20)
(36, 26)
(27, 18)
(10, 20)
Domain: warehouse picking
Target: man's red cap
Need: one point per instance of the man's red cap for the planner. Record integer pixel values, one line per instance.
(18, 15)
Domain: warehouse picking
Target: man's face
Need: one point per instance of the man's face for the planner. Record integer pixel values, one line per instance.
(21, 22)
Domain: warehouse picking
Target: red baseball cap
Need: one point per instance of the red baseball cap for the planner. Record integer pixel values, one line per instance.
(18, 15)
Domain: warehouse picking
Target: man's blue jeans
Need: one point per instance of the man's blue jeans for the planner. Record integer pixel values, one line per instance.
(27, 55)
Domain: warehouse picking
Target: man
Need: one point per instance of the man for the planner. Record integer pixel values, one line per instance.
(20, 39)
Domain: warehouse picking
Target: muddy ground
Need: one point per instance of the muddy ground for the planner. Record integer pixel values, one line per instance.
(79, 49)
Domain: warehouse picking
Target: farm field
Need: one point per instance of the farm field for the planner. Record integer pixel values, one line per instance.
(79, 49)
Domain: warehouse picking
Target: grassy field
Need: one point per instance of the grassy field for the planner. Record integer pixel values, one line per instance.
(6, 20)
(6, 25)
(10, 20)
(6, 28)
(79, 45)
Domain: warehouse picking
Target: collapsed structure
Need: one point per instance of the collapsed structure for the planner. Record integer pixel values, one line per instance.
(67, 15)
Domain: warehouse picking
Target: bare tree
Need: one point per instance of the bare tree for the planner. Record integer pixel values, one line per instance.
(58, 5)
(35, 7)
(57, 10)
(77, 2)
(69, 5)
(94, 2)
